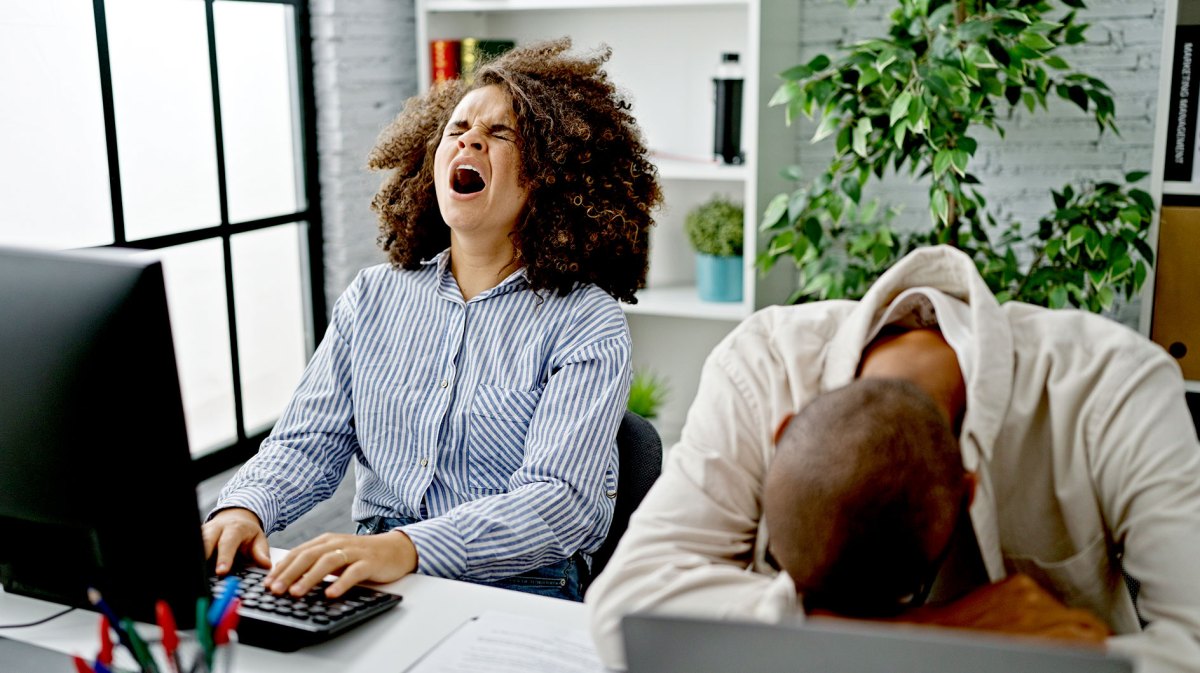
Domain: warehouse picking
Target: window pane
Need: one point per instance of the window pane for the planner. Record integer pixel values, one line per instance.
(54, 171)
(256, 55)
(195, 280)
(162, 93)
(271, 320)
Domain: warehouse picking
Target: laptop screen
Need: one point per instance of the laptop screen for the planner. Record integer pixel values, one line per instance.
(661, 644)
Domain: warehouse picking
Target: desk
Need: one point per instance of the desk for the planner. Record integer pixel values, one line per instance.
(432, 608)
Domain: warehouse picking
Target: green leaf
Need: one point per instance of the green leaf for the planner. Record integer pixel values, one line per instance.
(898, 133)
(781, 244)
(899, 107)
(939, 207)
(1058, 297)
(1057, 63)
(1105, 296)
(959, 159)
(1136, 176)
(786, 92)
(796, 72)
(1078, 96)
(852, 188)
(1077, 4)
(972, 30)
(819, 63)
(941, 161)
(1035, 41)
(1052, 248)
(1076, 235)
(829, 124)
(775, 210)
(861, 131)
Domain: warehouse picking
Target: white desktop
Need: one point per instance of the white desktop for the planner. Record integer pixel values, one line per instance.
(433, 608)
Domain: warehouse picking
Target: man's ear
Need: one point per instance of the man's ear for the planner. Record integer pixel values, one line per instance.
(783, 426)
(970, 480)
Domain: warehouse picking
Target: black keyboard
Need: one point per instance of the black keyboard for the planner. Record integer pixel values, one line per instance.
(286, 623)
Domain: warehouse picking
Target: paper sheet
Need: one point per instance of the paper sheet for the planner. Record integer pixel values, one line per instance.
(506, 643)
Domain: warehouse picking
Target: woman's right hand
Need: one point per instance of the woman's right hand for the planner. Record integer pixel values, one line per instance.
(233, 531)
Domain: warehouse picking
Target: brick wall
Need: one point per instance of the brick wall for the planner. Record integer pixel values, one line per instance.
(365, 67)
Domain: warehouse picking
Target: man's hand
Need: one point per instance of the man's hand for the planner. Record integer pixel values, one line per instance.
(1016, 605)
(356, 558)
(235, 530)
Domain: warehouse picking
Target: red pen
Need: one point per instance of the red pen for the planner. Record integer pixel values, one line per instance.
(81, 666)
(106, 643)
(228, 623)
(170, 635)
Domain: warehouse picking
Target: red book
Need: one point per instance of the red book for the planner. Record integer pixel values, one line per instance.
(443, 60)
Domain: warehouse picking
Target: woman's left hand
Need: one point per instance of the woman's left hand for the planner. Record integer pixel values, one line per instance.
(355, 558)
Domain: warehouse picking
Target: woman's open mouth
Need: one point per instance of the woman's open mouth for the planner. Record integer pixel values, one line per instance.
(466, 179)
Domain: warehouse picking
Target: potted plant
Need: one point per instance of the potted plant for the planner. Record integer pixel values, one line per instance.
(714, 229)
(647, 393)
(915, 100)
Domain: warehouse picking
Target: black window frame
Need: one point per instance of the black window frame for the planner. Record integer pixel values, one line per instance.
(244, 446)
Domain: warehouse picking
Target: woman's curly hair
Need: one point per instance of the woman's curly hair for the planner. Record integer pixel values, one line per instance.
(591, 187)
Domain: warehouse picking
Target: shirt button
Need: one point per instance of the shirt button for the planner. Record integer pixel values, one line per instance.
(445, 383)
(424, 462)
(612, 495)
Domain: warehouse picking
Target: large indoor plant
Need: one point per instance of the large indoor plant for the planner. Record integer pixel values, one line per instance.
(913, 101)
(715, 230)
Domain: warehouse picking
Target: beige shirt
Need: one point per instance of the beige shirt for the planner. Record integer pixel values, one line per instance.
(1076, 427)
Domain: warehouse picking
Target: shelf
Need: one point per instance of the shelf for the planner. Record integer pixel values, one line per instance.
(1192, 386)
(527, 5)
(682, 169)
(681, 301)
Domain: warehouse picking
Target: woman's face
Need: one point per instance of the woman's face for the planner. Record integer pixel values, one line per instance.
(477, 167)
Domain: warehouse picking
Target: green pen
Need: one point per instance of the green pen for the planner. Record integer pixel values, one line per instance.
(140, 651)
(204, 631)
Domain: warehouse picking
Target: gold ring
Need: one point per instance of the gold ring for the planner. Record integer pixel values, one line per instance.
(345, 557)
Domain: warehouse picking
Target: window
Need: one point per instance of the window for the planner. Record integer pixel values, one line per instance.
(184, 128)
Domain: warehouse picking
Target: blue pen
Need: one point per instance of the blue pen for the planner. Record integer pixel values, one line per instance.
(217, 611)
(97, 600)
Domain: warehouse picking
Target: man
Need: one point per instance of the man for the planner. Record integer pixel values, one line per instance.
(1078, 454)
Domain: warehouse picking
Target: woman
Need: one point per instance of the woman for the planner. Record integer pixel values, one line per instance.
(477, 382)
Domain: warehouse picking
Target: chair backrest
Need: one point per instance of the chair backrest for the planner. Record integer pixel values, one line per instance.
(639, 450)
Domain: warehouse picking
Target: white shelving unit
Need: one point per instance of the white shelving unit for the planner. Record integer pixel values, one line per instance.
(664, 55)
(1170, 193)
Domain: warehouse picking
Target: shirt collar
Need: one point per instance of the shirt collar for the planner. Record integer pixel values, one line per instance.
(448, 287)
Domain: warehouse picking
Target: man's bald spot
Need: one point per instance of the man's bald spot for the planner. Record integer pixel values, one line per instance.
(864, 490)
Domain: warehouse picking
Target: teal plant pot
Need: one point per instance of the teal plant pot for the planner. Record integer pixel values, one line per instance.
(719, 278)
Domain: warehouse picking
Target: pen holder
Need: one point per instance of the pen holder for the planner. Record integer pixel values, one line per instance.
(188, 655)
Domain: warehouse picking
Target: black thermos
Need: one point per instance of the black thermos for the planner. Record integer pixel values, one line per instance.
(727, 127)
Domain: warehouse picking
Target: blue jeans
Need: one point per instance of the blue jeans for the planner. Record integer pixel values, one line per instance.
(562, 579)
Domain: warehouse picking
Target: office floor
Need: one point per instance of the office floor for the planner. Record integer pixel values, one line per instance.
(333, 515)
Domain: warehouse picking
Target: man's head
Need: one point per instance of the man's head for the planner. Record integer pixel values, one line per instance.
(863, 495)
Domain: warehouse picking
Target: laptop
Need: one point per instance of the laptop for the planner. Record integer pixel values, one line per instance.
(663, 644)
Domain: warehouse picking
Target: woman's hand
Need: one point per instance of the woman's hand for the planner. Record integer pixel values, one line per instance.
(233, 531)
(356, 558)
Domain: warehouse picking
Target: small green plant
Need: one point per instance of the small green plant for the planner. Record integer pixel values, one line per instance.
(647, 393)
(715, 228)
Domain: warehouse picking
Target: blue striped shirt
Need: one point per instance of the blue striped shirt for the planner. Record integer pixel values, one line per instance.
(492, 421)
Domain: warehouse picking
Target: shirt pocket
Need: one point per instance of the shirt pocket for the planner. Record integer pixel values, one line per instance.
(496, 439)
(1084, 580)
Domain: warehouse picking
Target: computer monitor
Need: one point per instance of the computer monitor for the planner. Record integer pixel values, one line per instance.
(96, 485)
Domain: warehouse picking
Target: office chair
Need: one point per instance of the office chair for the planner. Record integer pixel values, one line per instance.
(639, 450)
